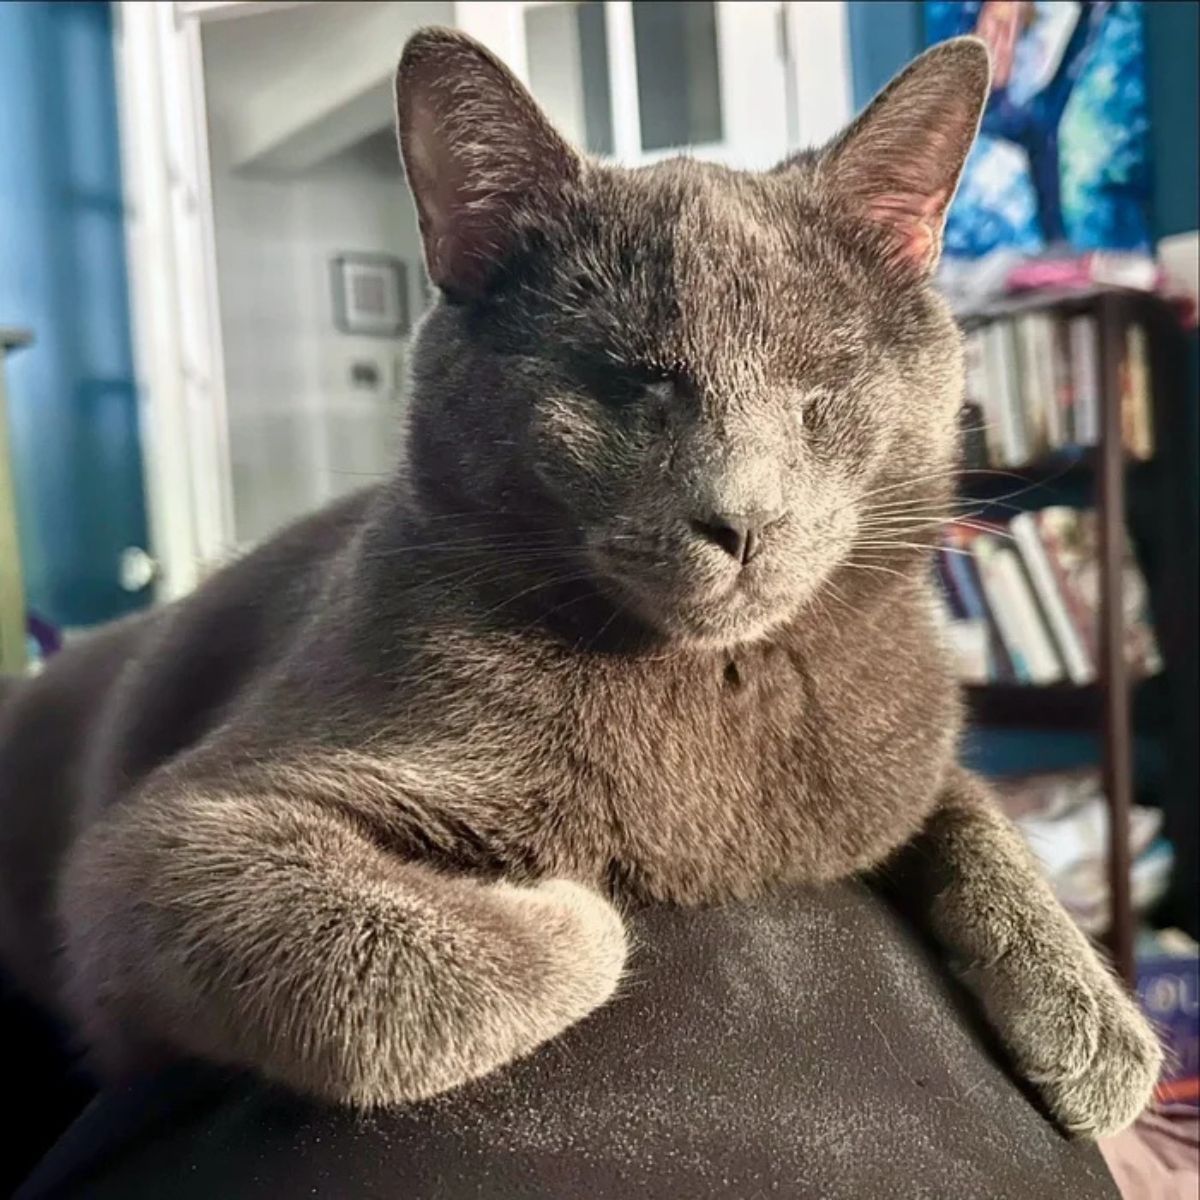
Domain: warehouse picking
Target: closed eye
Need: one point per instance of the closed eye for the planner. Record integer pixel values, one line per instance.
(621, 385)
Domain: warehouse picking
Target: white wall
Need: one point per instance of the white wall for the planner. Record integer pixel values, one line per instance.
(312, 79)
(300, 433)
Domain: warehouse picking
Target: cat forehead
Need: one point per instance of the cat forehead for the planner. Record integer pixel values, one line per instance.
(749, 267)
(697, 206)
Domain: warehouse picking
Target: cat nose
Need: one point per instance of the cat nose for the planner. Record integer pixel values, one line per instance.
(738, 534)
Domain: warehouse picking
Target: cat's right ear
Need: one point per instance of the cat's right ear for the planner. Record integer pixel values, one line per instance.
(898, 165)
(479, 154)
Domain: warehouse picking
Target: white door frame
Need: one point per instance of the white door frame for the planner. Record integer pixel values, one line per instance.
(172, 272)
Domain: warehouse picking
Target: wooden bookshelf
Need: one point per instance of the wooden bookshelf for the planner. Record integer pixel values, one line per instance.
(1061, 707)
(1047, 480)
(1104, 474)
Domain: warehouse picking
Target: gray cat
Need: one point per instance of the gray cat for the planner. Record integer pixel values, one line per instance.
(643, 616)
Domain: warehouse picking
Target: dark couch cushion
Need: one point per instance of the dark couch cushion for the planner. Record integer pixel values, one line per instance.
(805, 1046)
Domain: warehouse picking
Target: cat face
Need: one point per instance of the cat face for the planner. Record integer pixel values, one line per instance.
(698, 379)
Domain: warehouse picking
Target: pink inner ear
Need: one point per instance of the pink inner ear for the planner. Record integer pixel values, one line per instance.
(914, 222)
(455, 235)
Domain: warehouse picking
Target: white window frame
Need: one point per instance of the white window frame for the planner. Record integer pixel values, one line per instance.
(814, 44)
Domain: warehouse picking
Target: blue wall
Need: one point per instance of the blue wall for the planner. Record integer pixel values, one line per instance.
(1172, 34)
(884, 35)
(62, 274)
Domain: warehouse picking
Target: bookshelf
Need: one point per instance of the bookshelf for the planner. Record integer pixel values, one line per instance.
(1107, 472)
(1062, 707)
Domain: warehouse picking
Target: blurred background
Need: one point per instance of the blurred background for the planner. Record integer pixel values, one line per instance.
(210, 272)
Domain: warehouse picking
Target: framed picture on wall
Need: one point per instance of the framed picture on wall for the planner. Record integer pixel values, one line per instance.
(370, 295)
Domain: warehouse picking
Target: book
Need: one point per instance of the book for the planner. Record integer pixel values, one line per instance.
(975, 455)
(1047, 382)
(979, 393)
(965, 638)
(1136, 417)
(1039, 597)
(1038, 379)
(1168, 985)
(1041, 340)
(1059, 538)
(1004, 391)
(960, 569)
(1103, 268)
(1046, 664)
(944, 612)
(1085, 371)
(1079, 663)
(955, 609)
(1072, 542)
(968, 642)
(1036, 386)
(1012, 605)
(1064, 384)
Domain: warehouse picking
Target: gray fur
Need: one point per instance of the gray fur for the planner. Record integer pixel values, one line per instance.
(355, 814)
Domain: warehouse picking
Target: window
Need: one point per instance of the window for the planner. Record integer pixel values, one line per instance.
(567, 49)
(678, 79)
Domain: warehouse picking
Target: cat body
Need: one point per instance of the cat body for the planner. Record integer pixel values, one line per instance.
(643, 615)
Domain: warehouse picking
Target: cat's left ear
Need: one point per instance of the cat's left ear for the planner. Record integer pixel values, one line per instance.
(481, 158)
(898, 165)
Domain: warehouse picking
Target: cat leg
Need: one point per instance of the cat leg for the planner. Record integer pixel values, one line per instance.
(1071, 1027)
(268, 933)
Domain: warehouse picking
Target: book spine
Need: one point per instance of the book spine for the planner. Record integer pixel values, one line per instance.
(1141, 441)
(1035, 400)
(961, 565)
(959, 569)
(1064, 390)
(948, 592)
(1032, 634)
(1056, 526)
(1125, 383)
(1002, 382)
(1085, 372)
(974, 454)
(979, 393)
(1141, 644)
(987, 558)
(1079, 668)
(968, 642)
(1047, 381)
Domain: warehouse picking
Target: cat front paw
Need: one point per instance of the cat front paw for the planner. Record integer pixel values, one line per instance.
(1083, 1043)
(583, 937)
(1118, 1082)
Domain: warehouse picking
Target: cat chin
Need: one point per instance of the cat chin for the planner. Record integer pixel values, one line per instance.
(714, 625)
(727, 634)
(703, 613)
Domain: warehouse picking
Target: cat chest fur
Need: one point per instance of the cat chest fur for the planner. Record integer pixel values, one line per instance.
(689, 779)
